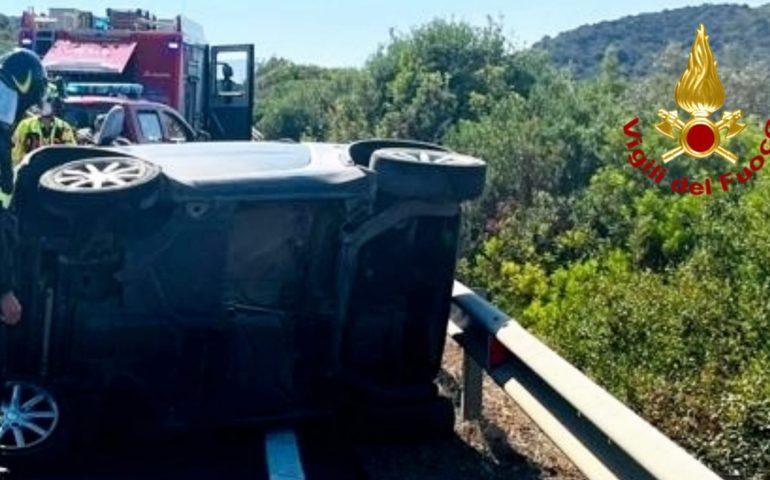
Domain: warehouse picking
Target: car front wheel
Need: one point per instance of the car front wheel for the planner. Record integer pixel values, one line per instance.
(31, 424)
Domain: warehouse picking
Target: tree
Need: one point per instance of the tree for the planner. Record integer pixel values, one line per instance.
(297, 101)
(430, 76)
(8, 32)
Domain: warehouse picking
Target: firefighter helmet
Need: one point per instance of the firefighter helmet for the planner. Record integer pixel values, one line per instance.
(22, 71)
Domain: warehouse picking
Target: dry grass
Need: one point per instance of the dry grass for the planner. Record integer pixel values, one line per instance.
(504, 444)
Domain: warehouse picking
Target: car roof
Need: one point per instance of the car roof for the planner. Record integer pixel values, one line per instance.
(275, 170)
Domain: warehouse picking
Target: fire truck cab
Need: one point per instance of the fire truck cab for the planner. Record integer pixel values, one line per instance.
(212, 87)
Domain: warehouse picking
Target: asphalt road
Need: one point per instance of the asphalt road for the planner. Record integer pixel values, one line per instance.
(195, 456)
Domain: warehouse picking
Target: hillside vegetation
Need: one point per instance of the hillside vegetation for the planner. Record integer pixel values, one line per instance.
(736, 31)
(8, 32)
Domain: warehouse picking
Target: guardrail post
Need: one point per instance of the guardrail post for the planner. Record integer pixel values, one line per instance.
(471, 398)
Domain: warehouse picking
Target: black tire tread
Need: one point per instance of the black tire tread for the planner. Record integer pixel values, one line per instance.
(456, 181)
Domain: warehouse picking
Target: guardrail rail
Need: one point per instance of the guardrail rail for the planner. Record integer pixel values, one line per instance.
(599, 434)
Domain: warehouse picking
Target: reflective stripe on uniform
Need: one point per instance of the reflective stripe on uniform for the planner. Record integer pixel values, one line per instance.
(5, 199)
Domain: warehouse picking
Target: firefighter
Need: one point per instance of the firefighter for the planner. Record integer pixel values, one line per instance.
(227, 84)
(22, 83)
(42, 129)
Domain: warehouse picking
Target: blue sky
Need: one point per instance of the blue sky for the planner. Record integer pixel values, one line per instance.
(345, 32)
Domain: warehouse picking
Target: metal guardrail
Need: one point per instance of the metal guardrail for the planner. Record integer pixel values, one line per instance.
(598, 433)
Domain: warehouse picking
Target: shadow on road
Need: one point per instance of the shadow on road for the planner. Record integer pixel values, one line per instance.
(230, 455)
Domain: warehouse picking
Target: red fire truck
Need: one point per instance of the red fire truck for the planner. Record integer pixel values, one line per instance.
(167, 60)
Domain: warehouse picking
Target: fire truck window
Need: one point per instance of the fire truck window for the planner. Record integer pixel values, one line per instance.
(150, 125)
(175, 131)
(231, 74)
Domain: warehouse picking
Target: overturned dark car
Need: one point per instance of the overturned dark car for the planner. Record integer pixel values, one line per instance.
(229, 283)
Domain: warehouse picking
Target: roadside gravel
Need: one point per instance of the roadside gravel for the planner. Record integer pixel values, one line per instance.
(504, 444)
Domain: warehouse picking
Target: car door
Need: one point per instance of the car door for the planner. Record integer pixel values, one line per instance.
(230, 92)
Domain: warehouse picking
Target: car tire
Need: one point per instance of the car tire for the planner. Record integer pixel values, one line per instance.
(42, 445)
(428, 174)
(105, 183)
(361, 151)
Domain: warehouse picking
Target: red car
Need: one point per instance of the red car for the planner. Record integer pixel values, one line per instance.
(145, 122)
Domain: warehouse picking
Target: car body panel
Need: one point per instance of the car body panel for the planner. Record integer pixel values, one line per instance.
(261, 169)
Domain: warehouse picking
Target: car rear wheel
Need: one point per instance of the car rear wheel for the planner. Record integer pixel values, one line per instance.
(101, 182)
(361, 151)
(428, 174)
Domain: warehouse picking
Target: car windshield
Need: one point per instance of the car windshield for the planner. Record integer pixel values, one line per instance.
(81, 115)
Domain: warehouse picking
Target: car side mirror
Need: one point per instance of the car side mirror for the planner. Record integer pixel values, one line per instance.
(112, 126)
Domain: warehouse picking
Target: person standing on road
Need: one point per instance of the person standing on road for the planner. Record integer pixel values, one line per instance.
(22, 84)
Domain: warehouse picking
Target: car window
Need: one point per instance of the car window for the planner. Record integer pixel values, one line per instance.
(83, 115)
(149, 122)
(175, 129)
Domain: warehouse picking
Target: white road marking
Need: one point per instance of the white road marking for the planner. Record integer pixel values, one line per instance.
(283, 458)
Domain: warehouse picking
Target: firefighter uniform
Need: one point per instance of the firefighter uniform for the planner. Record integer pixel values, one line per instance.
(22, 84)
(38, 131)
